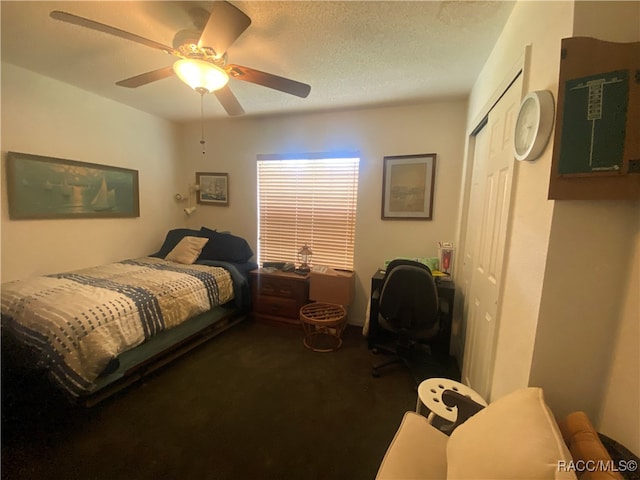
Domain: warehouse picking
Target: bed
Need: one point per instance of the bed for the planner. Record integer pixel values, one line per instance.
(96, 330)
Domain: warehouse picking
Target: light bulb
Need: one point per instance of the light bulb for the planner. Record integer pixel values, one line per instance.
(203, 77)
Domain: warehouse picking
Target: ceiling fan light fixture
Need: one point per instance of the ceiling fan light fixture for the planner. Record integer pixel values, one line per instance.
(203, 77)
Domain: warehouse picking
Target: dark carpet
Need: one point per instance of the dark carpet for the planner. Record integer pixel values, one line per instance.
(253, 403)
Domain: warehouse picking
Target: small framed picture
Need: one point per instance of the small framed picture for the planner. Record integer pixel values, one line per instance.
(213, 188)
(407, 187)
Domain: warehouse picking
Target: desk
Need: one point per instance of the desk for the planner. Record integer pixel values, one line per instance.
(446, 294)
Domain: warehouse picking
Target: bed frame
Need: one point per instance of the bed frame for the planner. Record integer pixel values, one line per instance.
(162, 349)
(144, 359)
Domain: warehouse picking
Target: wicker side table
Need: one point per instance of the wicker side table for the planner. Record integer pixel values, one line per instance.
(323, 324)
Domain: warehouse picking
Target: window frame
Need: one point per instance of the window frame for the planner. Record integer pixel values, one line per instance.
(325, 207)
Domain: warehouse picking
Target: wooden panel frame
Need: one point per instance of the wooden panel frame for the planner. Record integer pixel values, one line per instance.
(583, 57)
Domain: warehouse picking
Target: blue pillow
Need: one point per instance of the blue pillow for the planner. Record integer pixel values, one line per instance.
(173, 238)
(224, 247)
(209, 231)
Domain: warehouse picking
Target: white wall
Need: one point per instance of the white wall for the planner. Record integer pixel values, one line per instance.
(45, 117)
(232, 146)
(569, 316)
(614, 21)
(586, 308)
(586, 349)
(540, 25)
(619, 415)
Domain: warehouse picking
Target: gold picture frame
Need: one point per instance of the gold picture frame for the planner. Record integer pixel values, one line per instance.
(407, 187)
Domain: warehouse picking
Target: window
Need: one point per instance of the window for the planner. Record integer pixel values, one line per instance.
(307, 199)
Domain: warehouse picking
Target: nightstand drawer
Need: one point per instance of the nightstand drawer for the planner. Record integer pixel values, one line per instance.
(277, 307)
(280, 287)
(278, 296)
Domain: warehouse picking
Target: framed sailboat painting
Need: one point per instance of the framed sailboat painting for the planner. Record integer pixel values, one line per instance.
(47, 188)
(213, 188)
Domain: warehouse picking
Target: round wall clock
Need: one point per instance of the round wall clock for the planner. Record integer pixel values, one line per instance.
(533, 125)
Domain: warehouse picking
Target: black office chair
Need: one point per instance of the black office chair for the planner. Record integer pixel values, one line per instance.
(407, 311)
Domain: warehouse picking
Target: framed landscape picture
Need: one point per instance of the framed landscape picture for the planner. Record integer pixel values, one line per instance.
(48, 188)
(407, 187)
(213, 188)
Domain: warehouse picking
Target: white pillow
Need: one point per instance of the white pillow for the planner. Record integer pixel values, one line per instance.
(187, 250)
(515, 437)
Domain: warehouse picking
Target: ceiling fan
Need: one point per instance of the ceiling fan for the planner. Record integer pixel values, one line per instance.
(202, 53)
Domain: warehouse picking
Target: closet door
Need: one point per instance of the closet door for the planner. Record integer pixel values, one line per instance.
(484, 246)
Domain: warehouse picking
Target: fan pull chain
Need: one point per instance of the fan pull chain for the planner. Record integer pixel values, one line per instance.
(202, 121)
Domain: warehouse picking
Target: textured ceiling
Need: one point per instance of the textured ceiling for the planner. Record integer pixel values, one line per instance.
(353, 54)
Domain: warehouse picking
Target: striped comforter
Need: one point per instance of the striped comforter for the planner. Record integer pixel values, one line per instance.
(80, 321)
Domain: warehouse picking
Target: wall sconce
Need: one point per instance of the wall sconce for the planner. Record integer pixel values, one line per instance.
(189, 209)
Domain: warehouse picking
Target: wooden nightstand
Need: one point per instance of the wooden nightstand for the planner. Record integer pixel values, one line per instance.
(278, 296)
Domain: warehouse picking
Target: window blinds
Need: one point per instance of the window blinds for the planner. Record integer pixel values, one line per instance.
(309, 200)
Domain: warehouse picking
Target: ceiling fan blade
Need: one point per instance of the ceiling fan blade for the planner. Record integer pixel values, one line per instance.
(145, 78)
(229, 101)
(101, 27)
(226, 23)
(269, 80)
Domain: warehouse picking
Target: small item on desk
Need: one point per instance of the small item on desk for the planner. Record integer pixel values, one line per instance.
(438, 273)
(276, 265)
(445, 254)
(288, 267)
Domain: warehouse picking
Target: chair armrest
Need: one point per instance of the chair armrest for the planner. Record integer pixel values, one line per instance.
(466, 407)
